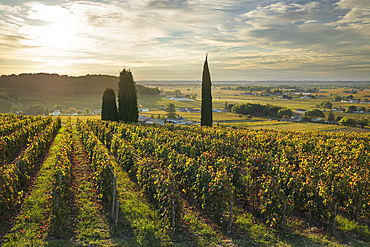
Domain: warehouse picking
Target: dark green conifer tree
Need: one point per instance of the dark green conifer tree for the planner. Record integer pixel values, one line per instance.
(109, 106)
(127, 98)
(206, 112)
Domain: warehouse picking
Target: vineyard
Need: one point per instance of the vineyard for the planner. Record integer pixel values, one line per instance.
(113, 184)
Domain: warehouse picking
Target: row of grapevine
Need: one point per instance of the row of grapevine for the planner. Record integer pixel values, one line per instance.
(287, 156)
(8, 128)
(205, 178)
(6, 118)
(101, 163)
(283, 171)
(311, 172)
(11, 144)
(14, 176)
(156, 181)
(61, 181)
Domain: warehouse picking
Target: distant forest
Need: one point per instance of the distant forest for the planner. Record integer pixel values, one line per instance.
(63, 84)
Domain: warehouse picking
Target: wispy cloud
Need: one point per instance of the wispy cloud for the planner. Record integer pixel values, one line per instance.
(161, 39)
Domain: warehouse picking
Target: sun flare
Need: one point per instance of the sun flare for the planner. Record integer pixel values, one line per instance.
(56, 35)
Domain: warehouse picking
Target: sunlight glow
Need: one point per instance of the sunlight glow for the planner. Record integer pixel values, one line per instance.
(57, 35)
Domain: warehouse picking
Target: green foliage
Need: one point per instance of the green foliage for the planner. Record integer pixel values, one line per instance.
(30, 227)
(331, 116)
(58, 107)
(351, 109)
(171, 111)
(235, 108)
(24, 132)
(101, 162)
(347, 121)
(206, 110)
(147, 90)
(14, 108)
(37, 110)
(336, 98)
(353, 227)
(326, 105)
(362, 108)
(13, 93)
(349, 97)
(315, 113)
(88, 112)
(127, 98)
(61, 182)
(204, 161)
(364, 122)
(15, 175)
(71, 110)
(153, 177)
(4, 96)
(285, 111)
(255, 109)
(109, 106)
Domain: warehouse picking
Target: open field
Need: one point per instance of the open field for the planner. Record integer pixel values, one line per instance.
(255, 123)
(292, 126)
(220, 97)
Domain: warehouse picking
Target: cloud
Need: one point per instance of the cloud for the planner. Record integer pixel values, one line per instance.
(280, 8)
(172, 34)
(358, 16)
(168, 3)
(300, 28)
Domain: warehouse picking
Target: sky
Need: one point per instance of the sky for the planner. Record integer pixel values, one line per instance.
(169, 39)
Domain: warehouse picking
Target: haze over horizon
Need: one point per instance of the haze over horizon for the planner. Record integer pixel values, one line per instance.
(255, 40)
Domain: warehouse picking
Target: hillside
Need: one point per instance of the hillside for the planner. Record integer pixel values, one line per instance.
(81, 92)
(64, 84)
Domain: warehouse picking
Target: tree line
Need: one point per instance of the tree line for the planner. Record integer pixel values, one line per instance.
(55, 83)
(259, 110)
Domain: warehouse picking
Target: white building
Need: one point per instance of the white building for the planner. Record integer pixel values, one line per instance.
(56, 112)
(300, 111)
(148, 120)
(178, 120)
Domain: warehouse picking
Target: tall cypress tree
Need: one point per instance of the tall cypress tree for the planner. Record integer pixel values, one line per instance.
(206, 112)
(127, 97)
(109, 106)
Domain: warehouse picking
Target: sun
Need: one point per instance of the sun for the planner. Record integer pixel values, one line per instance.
(56, 26)
(57, 35)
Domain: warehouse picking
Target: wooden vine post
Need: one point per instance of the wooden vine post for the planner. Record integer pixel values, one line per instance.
(359, 205)
(335, 214)
(284, 214)
(230, 217)
(114, 195)
(173, 215)
(117, 211)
